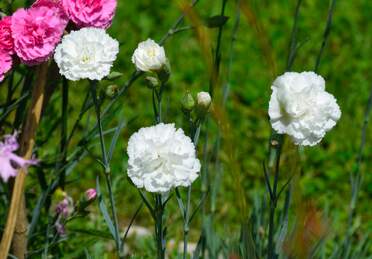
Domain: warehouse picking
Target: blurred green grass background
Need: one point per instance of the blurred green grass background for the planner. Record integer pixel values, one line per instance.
(324, 170)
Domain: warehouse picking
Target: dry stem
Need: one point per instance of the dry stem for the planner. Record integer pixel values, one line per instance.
(16, 223)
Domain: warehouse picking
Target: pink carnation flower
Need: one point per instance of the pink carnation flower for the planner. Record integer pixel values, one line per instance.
(5, 66)
(90, 13)
(6, 41)
(37, 31)
(49, 3)
(9, 162)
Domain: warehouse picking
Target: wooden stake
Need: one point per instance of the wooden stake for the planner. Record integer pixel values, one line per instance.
(16, 224)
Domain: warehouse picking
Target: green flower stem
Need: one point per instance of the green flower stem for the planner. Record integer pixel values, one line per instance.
(195, 129)
(326, 33)
(356, 177)
(276, 142)
(186, 227)
(64, 127)
(159, 231)
(274, 199)
(106, 163)
(158, 212)
(277, 148)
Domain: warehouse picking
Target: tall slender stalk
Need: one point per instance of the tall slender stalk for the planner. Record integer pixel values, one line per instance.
(326, 33)
(273, 202)
(213, 81)
(16, 224)
(177, 23)
(64, 127)
(195, 132)
(159, 206)
(159, 231)
(293, 43)
(106, 165)
(186, 227)
(279, 141)
(217, 54)
(356, 178)
(276, 142)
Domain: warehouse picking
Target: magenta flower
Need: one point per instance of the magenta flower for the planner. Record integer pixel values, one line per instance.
(5, 65)
(10, 162)
(6, 41)
(6, 46)
(37, 31)
(90, 194)
(90, 13)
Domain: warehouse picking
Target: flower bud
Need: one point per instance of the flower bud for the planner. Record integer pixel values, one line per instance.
(60, 194)
(114, 75)
(112, 90)
(188, 102)
(164, 73)
(152, 81)
(204, 101)
(91, 194)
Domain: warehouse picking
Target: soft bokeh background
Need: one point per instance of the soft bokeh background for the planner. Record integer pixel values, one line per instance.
(322, 171)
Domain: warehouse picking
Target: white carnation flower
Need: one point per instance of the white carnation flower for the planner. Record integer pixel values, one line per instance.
(162, 157)
(149, 56)
(301, 108)
(87, 53)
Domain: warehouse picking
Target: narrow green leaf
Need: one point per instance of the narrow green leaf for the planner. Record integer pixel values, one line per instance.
(216, 21)
(103, 209)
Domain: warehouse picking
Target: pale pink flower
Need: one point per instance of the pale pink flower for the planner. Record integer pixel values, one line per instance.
(37, 31)
(60, 228)
(65, 207)
(62, 208)
(90, 194)
(10, 162)
(90, 13)
(6, 41)
(5, 65)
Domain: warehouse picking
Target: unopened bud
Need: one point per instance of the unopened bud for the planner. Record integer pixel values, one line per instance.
(164, 73)
(188, 102)
(90, 194)
(112, 90)
(114, 75)
(204, 101)
(59, 194)
(152, 81)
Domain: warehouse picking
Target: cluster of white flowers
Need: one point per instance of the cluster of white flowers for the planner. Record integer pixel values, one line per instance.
(86, 54)
(162, 157)
(301, 108)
